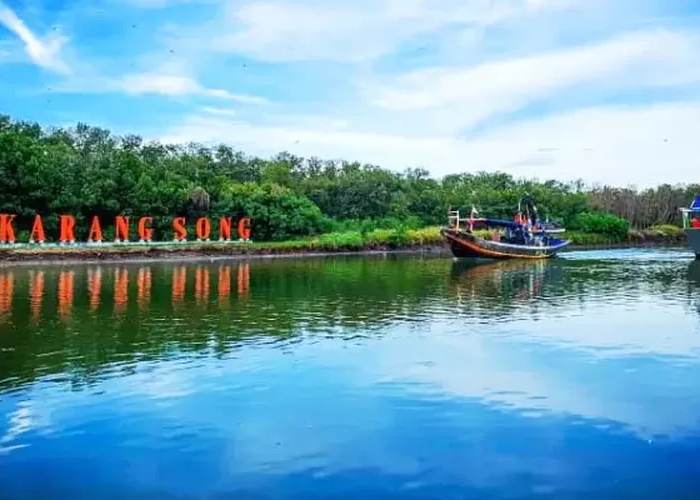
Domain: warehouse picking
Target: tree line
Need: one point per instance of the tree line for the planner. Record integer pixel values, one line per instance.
(86, 171)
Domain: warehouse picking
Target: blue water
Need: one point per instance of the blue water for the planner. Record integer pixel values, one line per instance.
(382, 377)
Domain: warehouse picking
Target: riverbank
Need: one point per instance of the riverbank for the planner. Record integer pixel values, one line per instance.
(427, 240)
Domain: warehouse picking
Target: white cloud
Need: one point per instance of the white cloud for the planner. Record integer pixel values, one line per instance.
(44, 53)
(177, 85)
(219, 111)
(148, 4)
(340, 31)
(159, 4)
(622, 146)
(168, 84)
(513, 379)
(471, 94)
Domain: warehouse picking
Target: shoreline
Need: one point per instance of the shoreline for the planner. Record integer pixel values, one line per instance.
(213, 252)
(73, 256)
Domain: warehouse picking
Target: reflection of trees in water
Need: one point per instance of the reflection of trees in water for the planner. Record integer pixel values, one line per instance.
(85, 319)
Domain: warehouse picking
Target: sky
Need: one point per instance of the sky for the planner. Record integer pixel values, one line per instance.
(606, 91)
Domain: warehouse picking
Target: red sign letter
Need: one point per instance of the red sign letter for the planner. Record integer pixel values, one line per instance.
(121, 230)
(37, 233)
(145, 232)
(225, 228)
(95, 230)
(203, 228)
(7, 231)
(67, 229)
(179, 228)
(244, 228)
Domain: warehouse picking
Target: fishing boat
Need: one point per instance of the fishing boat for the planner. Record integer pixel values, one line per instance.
(691, 225)
(524, 237)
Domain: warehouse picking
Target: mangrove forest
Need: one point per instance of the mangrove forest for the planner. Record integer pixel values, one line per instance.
(88, 171)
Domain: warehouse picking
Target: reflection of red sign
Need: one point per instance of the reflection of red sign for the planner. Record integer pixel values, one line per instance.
(122, 227)
(121, 297)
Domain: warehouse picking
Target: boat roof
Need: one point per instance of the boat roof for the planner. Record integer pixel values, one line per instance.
(496, 222)
(694, 205)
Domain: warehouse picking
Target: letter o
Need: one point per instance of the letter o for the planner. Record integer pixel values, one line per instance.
(203, 228)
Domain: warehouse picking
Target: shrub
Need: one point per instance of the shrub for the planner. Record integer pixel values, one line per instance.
(600, 223)
(592, 239)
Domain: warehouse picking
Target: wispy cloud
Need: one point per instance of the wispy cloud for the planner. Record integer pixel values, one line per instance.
(623, 145)
(655, 58)
(541, 73)
(341, 31)
(219, 111)
(176, 85)
(154, 83)
(159, 4)
(44, 53)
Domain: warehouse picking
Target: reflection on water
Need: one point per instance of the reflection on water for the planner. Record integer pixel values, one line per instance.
(7, 283)
(123, 292)
(389, 377)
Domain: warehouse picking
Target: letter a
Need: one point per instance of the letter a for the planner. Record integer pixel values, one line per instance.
(95, 230)
(37, 233)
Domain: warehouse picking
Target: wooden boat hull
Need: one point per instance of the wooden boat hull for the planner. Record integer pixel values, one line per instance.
(467, 245)
(693, 236)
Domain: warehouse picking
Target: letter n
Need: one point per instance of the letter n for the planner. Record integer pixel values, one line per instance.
(121, 230)
(225, 229)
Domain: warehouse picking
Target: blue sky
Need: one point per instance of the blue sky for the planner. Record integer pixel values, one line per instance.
(607, 91)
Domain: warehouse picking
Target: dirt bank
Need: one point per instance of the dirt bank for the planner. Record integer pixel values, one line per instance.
(190, 253)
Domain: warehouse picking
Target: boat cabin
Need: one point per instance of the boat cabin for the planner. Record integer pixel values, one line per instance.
(520, 231)
(691, 214)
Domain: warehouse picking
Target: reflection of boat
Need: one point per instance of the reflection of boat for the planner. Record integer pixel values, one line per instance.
(691, 225)
(693, 277)
(505, 279)
(694, 272)
(525, 237)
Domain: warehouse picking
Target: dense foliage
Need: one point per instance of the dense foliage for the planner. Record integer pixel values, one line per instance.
(87, 171)
(601, 223)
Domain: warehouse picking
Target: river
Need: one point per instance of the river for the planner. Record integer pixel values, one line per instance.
(347, 377)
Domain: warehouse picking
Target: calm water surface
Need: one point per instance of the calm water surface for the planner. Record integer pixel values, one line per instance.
(381, 377)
